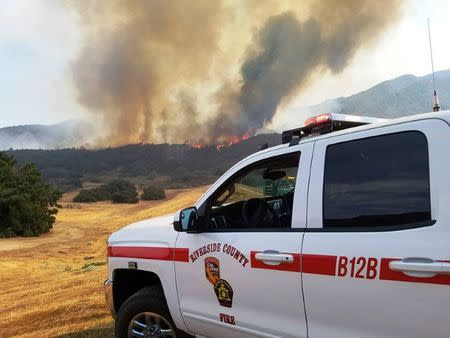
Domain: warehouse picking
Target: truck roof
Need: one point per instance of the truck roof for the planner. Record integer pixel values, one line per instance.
(442, 115)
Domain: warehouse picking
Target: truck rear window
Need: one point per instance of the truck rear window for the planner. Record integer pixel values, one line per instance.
(377, 181)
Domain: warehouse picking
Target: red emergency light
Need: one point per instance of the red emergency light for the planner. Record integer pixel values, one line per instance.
(326, 123)
(315, 120)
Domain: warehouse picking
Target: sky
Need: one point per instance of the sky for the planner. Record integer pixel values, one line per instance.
(40, 40)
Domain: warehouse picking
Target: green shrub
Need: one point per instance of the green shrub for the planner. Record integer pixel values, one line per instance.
(153, 193)
(27, 205)
(85, 196)
(124, 197)
(117, 191)
(93, 195)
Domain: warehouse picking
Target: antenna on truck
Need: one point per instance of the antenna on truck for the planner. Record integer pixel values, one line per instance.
(436, 106)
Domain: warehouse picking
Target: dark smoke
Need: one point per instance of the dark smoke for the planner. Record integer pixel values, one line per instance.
(133, 54)
(145, 63)
(285, 53)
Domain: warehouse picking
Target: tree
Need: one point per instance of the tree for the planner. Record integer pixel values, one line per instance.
(118, 191)
(153, 193)
(91, 195)
(27, 205)
(122, 192)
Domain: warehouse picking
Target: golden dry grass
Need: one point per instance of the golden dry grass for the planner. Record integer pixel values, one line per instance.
(51, 286)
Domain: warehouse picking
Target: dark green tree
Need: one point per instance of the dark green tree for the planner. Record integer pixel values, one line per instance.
(27, 205)
(118, 191)
(122, 191)
(153, 193)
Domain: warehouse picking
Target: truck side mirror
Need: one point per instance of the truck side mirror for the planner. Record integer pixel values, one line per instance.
(186, 220)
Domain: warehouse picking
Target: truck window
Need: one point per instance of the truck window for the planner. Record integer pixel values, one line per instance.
(377, 181)
(259, 196)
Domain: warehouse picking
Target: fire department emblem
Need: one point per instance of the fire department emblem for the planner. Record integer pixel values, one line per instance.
(224, 292)
(212, 269)
(222, 289)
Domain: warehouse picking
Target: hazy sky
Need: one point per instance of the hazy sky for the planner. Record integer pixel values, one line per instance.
(40, 39)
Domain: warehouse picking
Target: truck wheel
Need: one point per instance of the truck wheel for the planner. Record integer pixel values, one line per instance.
(145, 314)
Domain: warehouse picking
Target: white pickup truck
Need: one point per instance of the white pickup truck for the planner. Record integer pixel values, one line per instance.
(356, 243)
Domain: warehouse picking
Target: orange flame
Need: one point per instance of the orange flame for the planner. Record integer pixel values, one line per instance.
(198, 145)
(143, 137)
(233, 139)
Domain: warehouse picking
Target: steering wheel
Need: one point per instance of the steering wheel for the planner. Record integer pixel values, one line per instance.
(257, 213)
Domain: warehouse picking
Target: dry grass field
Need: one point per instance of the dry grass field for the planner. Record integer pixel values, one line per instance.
(51, 286)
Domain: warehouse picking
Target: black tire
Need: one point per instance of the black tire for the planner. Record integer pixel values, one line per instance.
(150, 299)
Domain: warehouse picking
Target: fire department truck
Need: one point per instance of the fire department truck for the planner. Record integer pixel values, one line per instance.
(358, 245)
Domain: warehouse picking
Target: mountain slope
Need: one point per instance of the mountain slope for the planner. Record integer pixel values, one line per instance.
(37, 136)
(405, 95)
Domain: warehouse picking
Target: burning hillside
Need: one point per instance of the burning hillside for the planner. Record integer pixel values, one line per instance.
(229, 141)
(211, 72)
(180, 165)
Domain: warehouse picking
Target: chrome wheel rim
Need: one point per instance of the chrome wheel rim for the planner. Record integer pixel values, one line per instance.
(150, 325)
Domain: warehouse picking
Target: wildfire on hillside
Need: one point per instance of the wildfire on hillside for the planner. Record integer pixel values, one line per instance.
(198, 145)
(233, 139)
(143, 137)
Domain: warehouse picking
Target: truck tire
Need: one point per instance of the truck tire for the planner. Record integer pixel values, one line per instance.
(145, 314)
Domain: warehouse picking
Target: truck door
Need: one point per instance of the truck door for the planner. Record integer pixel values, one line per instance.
(242, 278)
(376, 251)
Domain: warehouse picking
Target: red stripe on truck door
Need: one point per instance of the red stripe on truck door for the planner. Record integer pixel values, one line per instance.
(387, 274)
(181, 254)
(148, 252)
(319, 264)
(309, 263)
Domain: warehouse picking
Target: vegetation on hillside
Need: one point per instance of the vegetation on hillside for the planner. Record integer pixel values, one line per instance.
(153, 193)
(117, 191)
(173, 166)
(27, 205)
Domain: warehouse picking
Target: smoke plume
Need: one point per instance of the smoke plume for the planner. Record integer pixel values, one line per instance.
(207, 71)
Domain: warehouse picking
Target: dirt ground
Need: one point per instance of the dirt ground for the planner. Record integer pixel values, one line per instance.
(51, 286)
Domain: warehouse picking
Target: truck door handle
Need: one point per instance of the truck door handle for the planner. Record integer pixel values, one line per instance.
(270, 257)
(420, 267)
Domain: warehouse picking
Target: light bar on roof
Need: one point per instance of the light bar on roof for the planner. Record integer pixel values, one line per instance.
(326, 123)
(319, 119)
